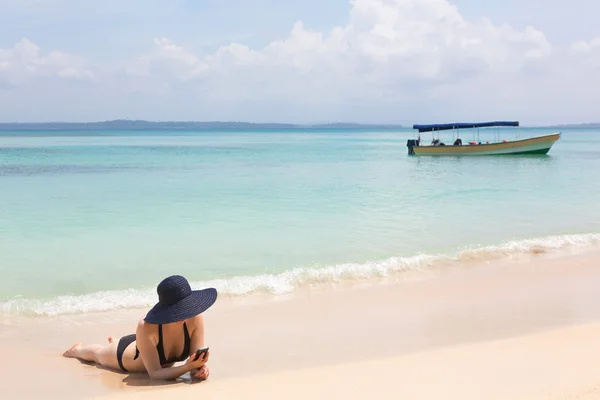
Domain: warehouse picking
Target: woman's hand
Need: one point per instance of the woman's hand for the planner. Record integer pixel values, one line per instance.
(199, 363)
(202, 373)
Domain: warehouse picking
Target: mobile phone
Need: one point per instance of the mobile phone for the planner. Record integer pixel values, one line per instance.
(199, 352)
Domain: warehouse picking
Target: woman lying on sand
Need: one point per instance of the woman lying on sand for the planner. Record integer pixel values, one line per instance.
(172, 331)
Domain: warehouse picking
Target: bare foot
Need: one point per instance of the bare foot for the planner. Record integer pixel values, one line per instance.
(111, 339)
(73, 350)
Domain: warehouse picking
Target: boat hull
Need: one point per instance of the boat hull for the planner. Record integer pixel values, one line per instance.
(536, 145)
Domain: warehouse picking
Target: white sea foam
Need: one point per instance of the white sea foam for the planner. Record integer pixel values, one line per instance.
(291, 280)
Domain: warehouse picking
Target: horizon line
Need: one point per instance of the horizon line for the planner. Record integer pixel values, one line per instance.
(233, 122)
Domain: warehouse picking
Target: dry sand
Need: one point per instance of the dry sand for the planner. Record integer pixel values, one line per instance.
(560, 364)
(523, 328)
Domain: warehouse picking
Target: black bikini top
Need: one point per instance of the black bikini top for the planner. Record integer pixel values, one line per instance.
(161, 351)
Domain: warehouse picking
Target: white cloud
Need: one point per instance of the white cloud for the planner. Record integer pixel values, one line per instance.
(384, 41)
(586, 47)
(168, 59)
(586, 53)
(389, 51)
(392, 57)
(24, 62)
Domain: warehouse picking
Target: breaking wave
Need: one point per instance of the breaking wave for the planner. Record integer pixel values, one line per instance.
(288, 281)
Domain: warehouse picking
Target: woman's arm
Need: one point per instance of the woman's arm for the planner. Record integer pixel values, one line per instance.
(197, 342)
(152, 362)
(197, 334)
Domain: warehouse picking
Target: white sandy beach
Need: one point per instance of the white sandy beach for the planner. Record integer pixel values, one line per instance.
(559, 364)
(510, 329)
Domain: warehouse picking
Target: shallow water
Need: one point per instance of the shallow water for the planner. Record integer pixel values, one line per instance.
(90, 212)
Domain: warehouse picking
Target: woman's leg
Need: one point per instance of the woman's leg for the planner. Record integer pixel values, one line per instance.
(86, 353)
(105, 355)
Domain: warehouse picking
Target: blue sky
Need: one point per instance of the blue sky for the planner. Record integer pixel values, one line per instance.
(400, 61)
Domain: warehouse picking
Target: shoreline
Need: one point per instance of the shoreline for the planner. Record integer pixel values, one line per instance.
(329, 330)
(302, 279)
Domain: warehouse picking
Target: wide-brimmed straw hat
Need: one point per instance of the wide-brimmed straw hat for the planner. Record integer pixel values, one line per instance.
(177, 301)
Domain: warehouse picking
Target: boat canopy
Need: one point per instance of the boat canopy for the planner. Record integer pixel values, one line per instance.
(463, 125)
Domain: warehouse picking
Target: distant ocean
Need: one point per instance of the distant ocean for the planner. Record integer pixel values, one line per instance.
(93, 220)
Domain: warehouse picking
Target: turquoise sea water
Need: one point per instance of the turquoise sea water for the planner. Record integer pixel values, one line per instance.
(93, 220)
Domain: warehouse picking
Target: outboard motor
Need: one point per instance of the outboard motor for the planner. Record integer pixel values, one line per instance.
(411, 143)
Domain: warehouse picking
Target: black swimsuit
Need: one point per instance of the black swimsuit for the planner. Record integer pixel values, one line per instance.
(128, 339)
